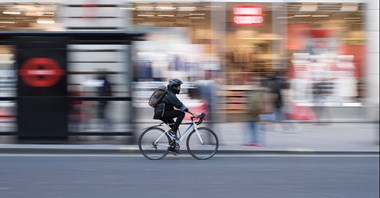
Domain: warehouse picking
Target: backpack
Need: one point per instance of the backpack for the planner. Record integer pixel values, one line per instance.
(255, 103)
(157, 96)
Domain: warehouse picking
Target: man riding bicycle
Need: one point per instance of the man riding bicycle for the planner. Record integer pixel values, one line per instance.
(165, 109)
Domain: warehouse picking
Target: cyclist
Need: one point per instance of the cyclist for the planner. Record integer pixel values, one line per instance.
(165, 109)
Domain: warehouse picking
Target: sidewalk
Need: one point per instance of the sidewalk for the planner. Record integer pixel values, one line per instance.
(342, 138)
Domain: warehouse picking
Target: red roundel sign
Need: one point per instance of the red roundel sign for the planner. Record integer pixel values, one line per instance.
(41, 72)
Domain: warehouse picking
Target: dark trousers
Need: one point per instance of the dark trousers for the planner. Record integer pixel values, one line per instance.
(169, 115)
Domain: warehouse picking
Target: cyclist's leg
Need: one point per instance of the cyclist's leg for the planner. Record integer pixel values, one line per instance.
(180, 115)
(168, 121)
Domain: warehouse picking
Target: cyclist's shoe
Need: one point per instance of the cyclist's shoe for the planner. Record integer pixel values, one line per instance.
(173, 150)
(173, 134)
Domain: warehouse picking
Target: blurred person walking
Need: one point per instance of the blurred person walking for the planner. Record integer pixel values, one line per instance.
(104, 90)
(276, 84)
(207, 92)
(257, 105)
(319, 96)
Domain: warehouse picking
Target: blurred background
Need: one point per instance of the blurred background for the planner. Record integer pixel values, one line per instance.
(325, 55)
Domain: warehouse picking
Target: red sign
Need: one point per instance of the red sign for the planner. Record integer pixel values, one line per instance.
(41, 72)
(248, 15)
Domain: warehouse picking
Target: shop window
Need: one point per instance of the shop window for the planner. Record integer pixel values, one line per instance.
(8, 81)
(327, 48)
(97, 71)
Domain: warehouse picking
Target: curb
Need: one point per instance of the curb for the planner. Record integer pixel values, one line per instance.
(136, 151)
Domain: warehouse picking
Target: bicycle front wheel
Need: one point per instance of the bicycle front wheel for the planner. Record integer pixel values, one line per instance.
(154, 143)
(203, 144)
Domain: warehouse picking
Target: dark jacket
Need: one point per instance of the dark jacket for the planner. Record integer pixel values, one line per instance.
(104, 90)
(275, 85)
(168, 103)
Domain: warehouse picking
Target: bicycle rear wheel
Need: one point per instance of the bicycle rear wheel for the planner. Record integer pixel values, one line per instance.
(204, 146)
(154, 143)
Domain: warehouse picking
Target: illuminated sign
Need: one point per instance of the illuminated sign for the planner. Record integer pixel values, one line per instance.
(41, 72)
(248, 15)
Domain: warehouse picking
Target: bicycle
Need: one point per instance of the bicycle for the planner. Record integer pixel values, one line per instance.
(202, 143)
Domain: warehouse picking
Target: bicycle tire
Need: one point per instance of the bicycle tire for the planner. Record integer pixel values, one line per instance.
(210, 144)
(147, 146)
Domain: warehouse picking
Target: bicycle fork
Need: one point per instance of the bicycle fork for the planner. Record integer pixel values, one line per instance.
(198, 134)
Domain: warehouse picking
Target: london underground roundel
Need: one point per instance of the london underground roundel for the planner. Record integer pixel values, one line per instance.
(41, 72)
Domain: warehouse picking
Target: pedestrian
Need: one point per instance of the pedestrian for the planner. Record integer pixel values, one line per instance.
(104, 90)
(207, 92)
(256, 106)
(320, 92)
(275, 84)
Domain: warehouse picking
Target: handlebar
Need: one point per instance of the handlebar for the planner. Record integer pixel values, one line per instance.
(201, 117)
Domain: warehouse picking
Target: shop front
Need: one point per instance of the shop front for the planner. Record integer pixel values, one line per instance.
(319, 48)
(326, 48)
(326, 51)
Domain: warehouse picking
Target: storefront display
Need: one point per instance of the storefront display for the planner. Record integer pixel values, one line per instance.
(326, 53)
(250, 45)
(250, 54)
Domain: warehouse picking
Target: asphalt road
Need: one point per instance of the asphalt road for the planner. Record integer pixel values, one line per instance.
(114, 176)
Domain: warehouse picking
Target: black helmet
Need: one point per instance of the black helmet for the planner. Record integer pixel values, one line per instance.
(175, 82)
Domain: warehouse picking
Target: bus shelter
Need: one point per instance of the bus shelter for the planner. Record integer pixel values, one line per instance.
(45, 64)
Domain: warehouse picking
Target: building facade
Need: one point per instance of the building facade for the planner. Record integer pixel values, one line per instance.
(333, 44)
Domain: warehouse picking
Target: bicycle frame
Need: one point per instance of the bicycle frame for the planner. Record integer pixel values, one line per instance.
(192, 127)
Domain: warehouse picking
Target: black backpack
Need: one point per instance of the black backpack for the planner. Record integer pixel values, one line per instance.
(157, 96)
